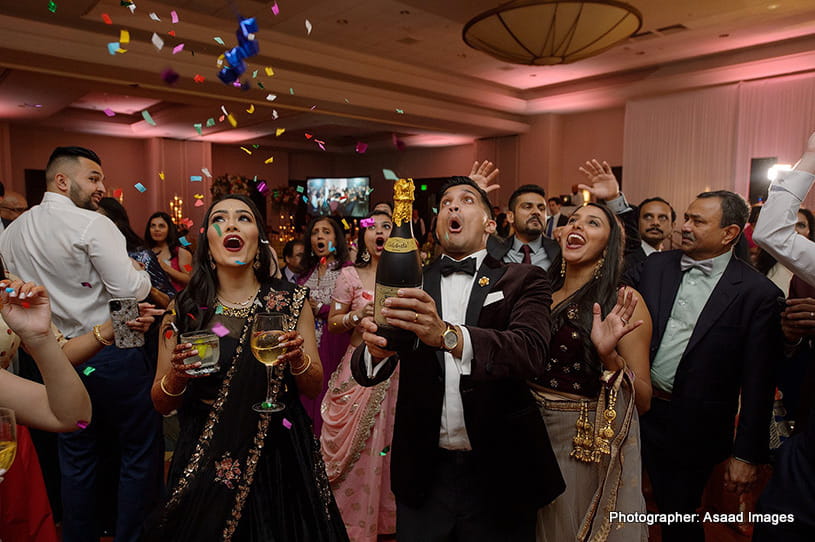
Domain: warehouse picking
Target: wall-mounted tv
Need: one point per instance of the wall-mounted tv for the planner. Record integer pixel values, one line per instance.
(338, 196)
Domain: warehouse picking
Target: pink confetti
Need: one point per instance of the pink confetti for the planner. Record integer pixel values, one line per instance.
(174, 16)
(82, 424)
(275, 9)
(220, 330)
(178, 48)
(109, 112)
(86, 284)
(366, 222)
(361, 147)
(367, 297)
(286, 423)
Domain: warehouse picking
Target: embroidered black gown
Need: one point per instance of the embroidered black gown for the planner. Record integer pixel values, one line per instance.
(238, 475)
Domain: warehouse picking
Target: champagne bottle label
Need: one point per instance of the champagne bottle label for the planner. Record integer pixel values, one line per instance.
(400, 245)
(381, 293)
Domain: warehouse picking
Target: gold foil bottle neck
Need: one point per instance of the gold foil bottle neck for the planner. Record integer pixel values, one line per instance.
(402, 200)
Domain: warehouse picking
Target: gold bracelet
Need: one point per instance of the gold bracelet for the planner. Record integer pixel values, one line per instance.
(167, 393)
(307, 365)
(98, 334)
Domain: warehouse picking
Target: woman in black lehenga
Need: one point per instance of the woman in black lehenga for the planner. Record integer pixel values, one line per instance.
(237, 474)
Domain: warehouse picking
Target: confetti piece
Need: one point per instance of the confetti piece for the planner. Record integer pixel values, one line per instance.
(274, 114)
(271, 97)
(198, 128)
(232, 120)
(155, 17)
(255, 74)
(305, 198)
(196, 178)
(240, 262)
(346, 225)
(25, 304)
(269, 71)
(255, 146)
(308, 135)
(198, 203)
(269, 160)
(366, 222)
(323, 260)
(400, 111)
(113, 47)
(178, 48)
(172, 33)
(52, 6)
(174, 16)
(367, 296)
(161, 175)
(220, 330)
(191, 315)
(300, 189)
(385, 450)
(206, 172)
(279, 132)
(260, 85)
(106, 18)
(275, 9)
(82, 424)
(291, 91)
(247, 151)
(109, 112)
(9, 290)
(168, 334)
(361, 147)
(124, 36)
(435, 211)
(286, 423)
(217, 229)
(86, 284)
(183, 241)
(198, 78)
(147, 118)
(219, 309)
(320, 144)
(169, 76)
(390, 175)
(88, 370)
(117, 193)
(308, 27)
(140, 187)
(251, 109)
(158, 43)
(199, 196)
(210, 122)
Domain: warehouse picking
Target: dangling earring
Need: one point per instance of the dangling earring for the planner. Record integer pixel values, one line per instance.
(598, 267)
(256, 264)
(366, 256)
(562, 266)
(211, 262)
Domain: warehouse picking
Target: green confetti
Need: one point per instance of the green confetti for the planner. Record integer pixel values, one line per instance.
(147, 118)
(385, 450)
(255, 146)
(400, 111)
(88, 370)
(218, 229)
(210, 122)
(219, 309)
(255, 74)
(219, 41)
(390, 175)
(52, 6)
(291, 91)
(198, 127)
(260, 85)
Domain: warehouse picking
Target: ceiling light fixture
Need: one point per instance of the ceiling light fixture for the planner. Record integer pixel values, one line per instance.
(546, 32)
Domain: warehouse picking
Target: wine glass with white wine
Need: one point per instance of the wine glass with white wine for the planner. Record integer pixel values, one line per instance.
(265, 342)
(8, 438)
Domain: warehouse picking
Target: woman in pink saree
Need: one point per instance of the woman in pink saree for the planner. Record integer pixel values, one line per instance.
(358, 421)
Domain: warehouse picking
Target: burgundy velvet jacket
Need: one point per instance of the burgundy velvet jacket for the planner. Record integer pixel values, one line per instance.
(510, 339)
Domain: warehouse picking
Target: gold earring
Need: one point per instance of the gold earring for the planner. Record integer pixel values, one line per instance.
(562, 266)
(366, 256)
(598, 268)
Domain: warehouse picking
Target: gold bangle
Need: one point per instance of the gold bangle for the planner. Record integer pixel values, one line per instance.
(167, 393)
(98, 334)
(307, 365)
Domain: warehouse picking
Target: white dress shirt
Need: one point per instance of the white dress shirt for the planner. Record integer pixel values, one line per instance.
(62, 246)
(648, 249)
(775, 229)
(455, 295)
(537, 255)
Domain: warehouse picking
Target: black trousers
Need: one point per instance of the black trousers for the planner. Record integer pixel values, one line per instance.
(678, 483)
(460, 508)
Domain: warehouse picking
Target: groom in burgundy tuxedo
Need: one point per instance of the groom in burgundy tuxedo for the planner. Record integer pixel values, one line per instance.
(471, 456)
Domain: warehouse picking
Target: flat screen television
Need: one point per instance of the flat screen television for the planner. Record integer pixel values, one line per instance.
(338, 196)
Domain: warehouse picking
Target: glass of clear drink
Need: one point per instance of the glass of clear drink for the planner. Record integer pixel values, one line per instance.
(207, 347)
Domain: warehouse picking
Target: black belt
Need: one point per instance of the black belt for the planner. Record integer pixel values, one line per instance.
(663, 395)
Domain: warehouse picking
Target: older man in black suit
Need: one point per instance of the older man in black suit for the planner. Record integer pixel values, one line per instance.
(716, 336)
(471, 457)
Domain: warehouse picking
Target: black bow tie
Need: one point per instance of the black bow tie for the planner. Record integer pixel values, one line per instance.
(449, 266)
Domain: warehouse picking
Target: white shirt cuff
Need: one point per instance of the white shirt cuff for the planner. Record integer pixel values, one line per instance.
(371, 369)
(618, 205)
(796, 183)
(465, 362)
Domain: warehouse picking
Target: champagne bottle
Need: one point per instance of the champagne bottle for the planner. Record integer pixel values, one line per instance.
(399, 266)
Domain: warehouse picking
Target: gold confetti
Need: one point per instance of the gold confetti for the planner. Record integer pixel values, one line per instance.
(247, 151)
(251, 109)
(269, 71)
(279, 132)
(269, 160)
(232, 120)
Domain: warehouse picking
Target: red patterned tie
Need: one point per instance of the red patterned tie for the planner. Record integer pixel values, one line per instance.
(527, 253)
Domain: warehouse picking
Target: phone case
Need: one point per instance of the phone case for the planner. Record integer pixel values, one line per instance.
(123, 310)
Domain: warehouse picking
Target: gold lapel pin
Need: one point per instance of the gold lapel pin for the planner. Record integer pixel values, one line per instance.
(483, 281)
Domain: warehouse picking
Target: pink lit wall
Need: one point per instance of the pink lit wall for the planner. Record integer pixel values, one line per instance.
(584, 136)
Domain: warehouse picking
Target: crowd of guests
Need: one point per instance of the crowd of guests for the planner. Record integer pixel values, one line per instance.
(557, 367)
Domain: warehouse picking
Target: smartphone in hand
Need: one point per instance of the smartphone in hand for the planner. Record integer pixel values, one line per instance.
(124, 309)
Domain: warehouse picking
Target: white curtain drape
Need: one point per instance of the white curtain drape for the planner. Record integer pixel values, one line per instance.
(681, 144)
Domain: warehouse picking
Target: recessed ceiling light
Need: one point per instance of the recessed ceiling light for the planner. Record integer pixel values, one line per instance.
(772, 6)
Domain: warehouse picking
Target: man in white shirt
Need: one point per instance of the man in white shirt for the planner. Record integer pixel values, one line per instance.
(471, 457)
(656, 223)
(293, 256)
(80, 257)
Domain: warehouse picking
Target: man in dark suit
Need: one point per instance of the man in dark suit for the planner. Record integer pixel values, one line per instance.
(556, 219)
(656, 220)
(471, 456)
(527, 214)
(716, 336)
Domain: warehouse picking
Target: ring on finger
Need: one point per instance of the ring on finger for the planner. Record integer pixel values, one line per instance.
(415, 317)
(625, 322)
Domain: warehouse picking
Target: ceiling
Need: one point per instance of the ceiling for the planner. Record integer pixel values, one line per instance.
(382, 72)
